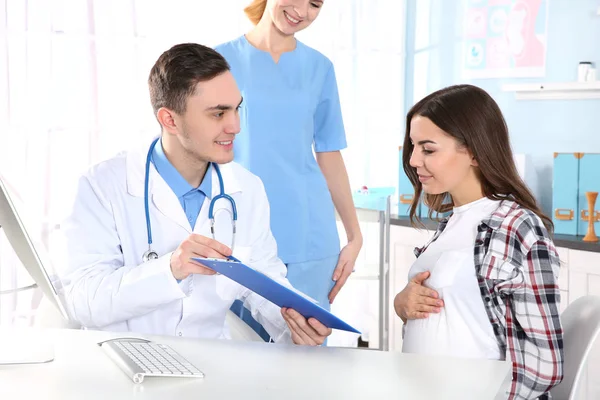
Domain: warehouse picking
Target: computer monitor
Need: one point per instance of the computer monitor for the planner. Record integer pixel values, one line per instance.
(21, 242)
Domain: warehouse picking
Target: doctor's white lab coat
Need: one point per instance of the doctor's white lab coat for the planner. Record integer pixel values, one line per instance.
(108, 287)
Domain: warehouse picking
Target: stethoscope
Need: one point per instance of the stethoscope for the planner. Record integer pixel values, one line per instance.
(151, 254)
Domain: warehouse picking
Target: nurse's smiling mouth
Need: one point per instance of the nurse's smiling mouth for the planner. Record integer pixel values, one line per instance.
(292, 21)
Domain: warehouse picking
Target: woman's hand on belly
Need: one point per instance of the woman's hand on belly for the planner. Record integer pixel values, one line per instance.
(416, 301)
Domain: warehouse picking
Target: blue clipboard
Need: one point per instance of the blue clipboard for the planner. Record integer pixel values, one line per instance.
(273, 291)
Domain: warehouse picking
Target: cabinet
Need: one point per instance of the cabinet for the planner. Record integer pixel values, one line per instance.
(403, 241)
(564, 193)
(583, 270)
(574, 174)
(364, 301)
(406, 190)
(589, 167)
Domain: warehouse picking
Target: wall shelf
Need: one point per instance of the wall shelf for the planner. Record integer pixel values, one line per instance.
(554, 91)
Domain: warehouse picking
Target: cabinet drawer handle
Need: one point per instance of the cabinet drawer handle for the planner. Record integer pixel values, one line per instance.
(564, 214)
(406, 198)
(585, 215)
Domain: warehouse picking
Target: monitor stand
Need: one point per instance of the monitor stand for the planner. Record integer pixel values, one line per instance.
(25, 346)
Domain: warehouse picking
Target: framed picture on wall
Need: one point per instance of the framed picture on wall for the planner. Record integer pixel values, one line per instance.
(505, 38)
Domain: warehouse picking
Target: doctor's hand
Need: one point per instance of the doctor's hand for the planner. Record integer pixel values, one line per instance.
(309, 332)
(416, 301)
(196, 245)
(344, 267)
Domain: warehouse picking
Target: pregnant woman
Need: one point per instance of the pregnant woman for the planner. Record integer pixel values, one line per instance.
(485, 286)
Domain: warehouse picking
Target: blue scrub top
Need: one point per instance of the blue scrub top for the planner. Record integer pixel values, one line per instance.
(290, 107)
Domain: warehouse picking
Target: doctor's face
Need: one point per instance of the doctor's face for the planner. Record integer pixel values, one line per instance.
(291, 16)
(211, 121)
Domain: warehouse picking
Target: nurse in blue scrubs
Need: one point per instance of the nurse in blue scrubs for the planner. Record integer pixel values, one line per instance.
(291, 107)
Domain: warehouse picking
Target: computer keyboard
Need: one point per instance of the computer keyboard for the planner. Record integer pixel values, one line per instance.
(139, 358)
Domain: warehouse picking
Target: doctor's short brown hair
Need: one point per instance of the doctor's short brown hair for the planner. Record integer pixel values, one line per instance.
(174, 76)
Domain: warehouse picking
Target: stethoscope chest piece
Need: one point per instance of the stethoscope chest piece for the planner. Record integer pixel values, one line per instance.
(149, 255)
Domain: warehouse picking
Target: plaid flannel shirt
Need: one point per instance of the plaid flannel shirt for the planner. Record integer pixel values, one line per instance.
(517, 269)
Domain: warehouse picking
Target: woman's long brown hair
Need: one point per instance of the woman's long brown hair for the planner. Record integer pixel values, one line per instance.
(472, 117)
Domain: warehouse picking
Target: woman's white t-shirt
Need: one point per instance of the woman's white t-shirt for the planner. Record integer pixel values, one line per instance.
(462, 328)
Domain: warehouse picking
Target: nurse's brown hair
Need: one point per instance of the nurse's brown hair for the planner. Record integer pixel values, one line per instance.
(255, 10)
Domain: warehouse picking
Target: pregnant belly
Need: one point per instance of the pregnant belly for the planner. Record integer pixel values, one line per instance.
(449, 333)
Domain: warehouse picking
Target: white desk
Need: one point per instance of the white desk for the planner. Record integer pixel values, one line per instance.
(250, 370)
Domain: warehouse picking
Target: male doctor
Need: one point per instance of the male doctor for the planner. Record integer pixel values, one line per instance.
(109, 286)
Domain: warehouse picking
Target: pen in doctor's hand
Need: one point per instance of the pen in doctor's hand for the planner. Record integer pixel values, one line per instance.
(196, 246)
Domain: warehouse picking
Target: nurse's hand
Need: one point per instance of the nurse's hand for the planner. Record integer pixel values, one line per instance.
(309, 332)
(416, 301)
(344, 267)
(196, 245)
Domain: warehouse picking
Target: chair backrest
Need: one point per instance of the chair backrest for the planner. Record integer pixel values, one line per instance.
(239, 330)
(581, 327)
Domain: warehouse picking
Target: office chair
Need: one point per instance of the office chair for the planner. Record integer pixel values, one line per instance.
(239, 330)
(581, 328)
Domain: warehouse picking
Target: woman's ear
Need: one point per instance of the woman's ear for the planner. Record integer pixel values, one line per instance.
(474, 162)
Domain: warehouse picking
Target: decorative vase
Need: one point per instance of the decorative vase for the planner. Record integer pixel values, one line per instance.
(592, 217)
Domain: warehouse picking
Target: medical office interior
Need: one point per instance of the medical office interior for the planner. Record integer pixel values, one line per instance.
(73, 92)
